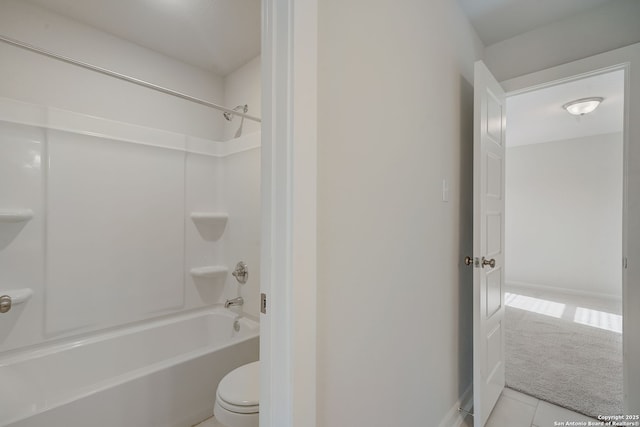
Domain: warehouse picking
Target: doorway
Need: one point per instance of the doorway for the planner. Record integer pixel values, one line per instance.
(563, 244)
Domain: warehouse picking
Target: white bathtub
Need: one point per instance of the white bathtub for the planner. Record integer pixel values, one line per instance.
(158, 374)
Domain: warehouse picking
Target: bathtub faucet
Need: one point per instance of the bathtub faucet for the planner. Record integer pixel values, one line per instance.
(234, 302)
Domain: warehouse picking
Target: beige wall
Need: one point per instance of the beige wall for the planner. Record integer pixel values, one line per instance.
(564, 206)
(394, 302)
(242, 86)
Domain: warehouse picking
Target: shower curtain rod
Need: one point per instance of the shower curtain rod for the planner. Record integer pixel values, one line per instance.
(124, 77)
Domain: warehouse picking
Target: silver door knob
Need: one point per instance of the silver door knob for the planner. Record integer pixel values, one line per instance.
(5, 303)
(468, 260)
(490, 262)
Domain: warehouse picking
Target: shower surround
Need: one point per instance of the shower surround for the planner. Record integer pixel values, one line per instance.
(129, 226)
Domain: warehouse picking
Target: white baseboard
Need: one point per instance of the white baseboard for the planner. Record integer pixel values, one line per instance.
(569, 291)
(454, 417)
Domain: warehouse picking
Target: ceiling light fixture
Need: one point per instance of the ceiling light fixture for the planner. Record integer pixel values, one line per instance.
(583, 106)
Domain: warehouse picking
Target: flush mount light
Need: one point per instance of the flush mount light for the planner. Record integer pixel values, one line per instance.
(582, 106)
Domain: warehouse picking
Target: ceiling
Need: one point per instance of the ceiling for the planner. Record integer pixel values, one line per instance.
(497, 20)
(221, 35)
(217, 35)
(538, 116)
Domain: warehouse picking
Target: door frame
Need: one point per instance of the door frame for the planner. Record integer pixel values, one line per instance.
(618, 59)
(288, 211)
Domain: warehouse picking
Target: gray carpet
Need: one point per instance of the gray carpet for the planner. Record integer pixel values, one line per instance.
(571, 365)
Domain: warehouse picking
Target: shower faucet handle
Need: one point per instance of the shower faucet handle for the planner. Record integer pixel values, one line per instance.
(5, 303)
(241, 273)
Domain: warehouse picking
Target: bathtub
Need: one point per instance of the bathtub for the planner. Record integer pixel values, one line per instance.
(157, 374)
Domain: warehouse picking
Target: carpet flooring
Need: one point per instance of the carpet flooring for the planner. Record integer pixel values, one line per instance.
(571, 365)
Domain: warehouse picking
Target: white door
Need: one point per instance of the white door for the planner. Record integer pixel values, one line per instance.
(488, 243)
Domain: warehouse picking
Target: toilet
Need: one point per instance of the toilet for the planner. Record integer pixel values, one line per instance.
(237, 399)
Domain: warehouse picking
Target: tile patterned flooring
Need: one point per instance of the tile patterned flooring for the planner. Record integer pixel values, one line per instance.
(513, 409)
(211, 422)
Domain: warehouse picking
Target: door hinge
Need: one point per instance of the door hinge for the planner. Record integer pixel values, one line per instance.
(624, 262)
(263, 303)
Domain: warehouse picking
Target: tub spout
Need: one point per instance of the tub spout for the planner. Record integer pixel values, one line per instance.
(233, 302)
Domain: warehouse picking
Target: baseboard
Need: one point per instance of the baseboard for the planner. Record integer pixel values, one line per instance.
(569, 291)
(454, 417)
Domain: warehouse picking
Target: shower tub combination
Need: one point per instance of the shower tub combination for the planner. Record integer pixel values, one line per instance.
(157, 374)
(122, 371)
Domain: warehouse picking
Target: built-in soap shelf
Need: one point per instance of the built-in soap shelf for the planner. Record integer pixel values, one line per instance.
(211, 225)
(15, 215)
(210, 272)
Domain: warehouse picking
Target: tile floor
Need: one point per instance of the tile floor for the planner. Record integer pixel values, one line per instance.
(211, 422)
(515, 409)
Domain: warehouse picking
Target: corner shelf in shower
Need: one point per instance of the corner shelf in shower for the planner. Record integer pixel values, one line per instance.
(15, 215)
(210, 272)
(211, 225)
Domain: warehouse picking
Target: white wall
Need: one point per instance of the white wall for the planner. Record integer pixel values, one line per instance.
(610, 26)
(33, 78)
(241, 199)
(242, 178)
(394, 299)
(242, 86)
(563, 226)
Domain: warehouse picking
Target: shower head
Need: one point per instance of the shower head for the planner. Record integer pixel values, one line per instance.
(229, 116)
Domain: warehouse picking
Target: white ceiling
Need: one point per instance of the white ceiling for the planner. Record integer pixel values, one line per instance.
(497, 20)
(538, 116)
(221, 35)
(217, 35)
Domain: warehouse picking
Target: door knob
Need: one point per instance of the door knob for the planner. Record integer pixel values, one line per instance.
(468, 260)
(5, 303)
(490, 262)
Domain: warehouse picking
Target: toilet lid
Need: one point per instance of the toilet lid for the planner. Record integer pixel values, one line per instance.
(241, 387)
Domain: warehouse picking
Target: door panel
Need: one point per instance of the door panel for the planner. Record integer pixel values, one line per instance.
(494, 234)
(494, 176)
(494, 291)
(488, 243)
